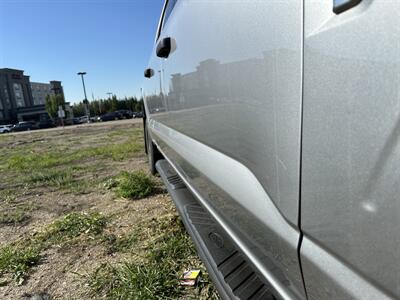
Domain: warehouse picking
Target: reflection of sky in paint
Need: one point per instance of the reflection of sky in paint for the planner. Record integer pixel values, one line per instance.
(238, 37)
(340, 2)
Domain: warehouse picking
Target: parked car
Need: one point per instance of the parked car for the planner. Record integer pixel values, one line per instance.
(76, 120)
(23, 126)
(275, 127)
(138, 114)
(125, 114)
(46, 124)
(110, 116)
(4, 129)
(84, 119)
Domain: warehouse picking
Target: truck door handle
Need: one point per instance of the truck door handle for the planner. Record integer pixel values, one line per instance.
(164, 47)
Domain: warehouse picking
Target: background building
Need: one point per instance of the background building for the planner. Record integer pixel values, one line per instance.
(41, 90)
(21, 100)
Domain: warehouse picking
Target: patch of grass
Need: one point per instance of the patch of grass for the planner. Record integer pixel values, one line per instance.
(19, 257)
(17, 213)
(79, 187)
(52, 177)
(163, 251)
(72, 225)
(121, 244)
(8, 196)
(39, 161)
(28, 161)
(109, 183)
(131, 281)
(118, 133)
(117, 152)
(13, 216)
(67, 180)
(18, 260)
(135, 185)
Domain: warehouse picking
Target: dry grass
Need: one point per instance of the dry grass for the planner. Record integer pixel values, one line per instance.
(69, 228)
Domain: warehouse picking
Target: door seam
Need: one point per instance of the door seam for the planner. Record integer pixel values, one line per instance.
(301, 146)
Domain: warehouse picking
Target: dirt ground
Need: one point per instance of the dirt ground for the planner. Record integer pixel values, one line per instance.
(50, 174)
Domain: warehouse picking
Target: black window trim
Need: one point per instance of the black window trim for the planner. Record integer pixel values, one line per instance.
(161, 21)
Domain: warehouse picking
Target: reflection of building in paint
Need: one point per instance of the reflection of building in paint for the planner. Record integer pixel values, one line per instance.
(21, 100)
(188, 89)
(215, 82)
(230, 83)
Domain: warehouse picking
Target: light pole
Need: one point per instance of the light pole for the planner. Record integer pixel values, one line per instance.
(159, 72)
(109, 95)
(86, 100)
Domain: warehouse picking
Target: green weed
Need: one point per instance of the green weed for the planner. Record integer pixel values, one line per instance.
(120, 244)
(38, 161)
(163, 250)
(28, 161)
(19, 257)
(52, 177)
(132, 281)
(72, 225)
(13, 216)
(79, 187)
(18, 260)
(135, 185)
(8, 196)
(16, 213)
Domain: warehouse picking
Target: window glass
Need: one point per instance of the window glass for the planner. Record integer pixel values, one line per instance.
(7, 96)
(168, 10)
(19, 96)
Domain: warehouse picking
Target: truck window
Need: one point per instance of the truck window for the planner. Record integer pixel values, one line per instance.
(168, 10)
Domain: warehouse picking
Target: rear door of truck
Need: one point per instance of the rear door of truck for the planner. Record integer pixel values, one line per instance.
(351, 155)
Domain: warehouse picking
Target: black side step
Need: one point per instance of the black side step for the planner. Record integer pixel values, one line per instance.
(231, 273)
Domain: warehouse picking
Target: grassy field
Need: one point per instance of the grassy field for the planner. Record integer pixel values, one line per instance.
(81, 218)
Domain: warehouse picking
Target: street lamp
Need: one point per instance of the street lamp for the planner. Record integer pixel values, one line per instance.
(86, 100)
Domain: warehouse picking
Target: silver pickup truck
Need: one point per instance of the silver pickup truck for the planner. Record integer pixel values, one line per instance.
(275, 125)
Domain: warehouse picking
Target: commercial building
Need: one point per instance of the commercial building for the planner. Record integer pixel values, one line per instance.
(41, 90)
(21, 100)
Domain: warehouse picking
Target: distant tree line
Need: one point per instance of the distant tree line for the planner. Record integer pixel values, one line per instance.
(102, 106)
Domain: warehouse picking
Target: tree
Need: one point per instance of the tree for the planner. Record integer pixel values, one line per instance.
(52, 104)
(78, 109)
(102, 106)
(114, 103)
(139, 105)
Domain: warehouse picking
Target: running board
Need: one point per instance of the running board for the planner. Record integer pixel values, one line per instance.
(232, 275)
